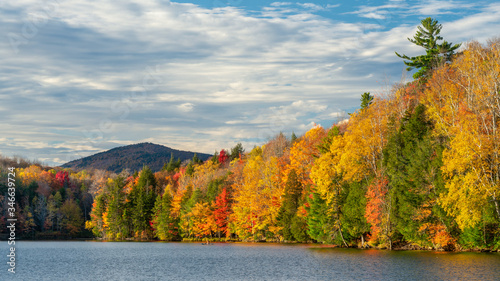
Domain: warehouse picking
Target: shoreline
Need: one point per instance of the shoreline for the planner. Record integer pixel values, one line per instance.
(310, 244)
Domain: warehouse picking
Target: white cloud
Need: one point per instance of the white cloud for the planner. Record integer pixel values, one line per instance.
(439, 7)
(329, 6)
(378, 12)
(372, 15)
(186, 107)
(278, 4)
(480, 26)
(311, 6)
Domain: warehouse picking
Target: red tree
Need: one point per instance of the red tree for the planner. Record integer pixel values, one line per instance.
(221, 212)
(376, 207)
(223, 156)
(62, 178)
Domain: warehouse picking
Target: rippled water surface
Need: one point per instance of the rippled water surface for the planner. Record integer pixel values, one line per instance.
(238, 261)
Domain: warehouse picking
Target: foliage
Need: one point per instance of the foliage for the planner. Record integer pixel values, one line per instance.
(222, 212)
(419, 168)
(318, 221)
(427, 36)
(288, 210)
(237, 151)
(366, 100)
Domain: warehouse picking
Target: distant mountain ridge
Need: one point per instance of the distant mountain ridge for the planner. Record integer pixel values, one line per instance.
(133, 157)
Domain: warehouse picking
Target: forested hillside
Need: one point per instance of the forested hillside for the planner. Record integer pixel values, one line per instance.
(133, 157)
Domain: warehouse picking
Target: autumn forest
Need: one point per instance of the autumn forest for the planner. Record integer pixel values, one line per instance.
(417, 167)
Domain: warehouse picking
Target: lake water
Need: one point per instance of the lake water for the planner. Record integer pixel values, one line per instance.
(237, 261)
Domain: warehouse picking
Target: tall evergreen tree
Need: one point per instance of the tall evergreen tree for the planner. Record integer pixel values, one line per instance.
(353, 211)
(172, 164)
(366, 100)
(413, 163)
(214, 187)
(236, 151)
(142, 198)
(288, 210)
(215, 157)
(427, 36)
(99, 207)
(164, 223)
(196, 197)
(318, 220)
(299, 229)
(324, 147)
(190, 169)
(185, 199)
(115, 207)
(196, 160)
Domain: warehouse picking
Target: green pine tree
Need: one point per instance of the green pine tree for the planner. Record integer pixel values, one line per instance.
(236, 151)
(288, 210)
(190, 169)
(116, 206)
(213, 189)
(366, 100)
(412, 160)
(165, 225)
(353, 211)
(318, 220)
(427, 36)
(196, 160)
(324, 147)
(142, 199)
(215, 158)
(299, 229)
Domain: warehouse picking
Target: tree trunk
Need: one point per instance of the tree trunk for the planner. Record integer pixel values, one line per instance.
(341, 235)
(497, 208)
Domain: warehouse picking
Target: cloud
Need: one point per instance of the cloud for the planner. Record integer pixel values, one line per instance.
(480, 26)
(378, 12)
(186, 107)
(279, 4)
(311, 6)
(329, 6)
(440, 7)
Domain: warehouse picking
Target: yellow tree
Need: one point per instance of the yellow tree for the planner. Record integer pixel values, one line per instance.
(30, 174)
(364, 141)
(276, 154)
(247, 213)
(325, 221)
(303, 153)
(202, 219)
(326, 167)
(257, 196)
(361, 152)
(467, 110)
(271, 194)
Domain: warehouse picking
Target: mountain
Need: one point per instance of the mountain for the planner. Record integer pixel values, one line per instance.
(132, 157)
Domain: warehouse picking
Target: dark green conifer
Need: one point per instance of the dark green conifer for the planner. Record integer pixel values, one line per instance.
(366, 100)
(288, 210)
(427, 36)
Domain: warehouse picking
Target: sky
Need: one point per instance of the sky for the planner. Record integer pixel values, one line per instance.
(81, 77)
